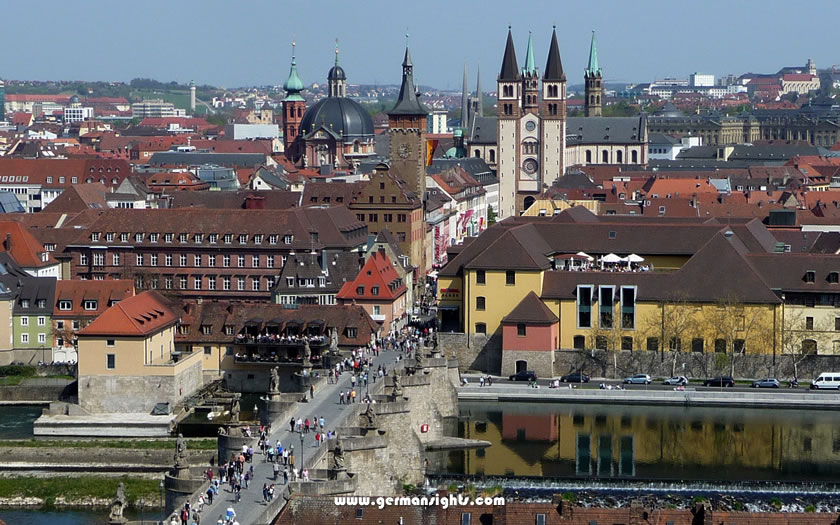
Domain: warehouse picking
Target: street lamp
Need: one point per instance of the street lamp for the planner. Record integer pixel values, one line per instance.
(162, 511)
(142, 514)
(301, 451)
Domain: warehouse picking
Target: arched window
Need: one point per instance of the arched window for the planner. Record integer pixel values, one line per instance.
(635, 156)
(619, 157)
(588, 156)
(605, 157)
(528, 202)
(598, 99)
(477, 154)
(591, 99)
(492, 155)
(809, 346)
(356, 147)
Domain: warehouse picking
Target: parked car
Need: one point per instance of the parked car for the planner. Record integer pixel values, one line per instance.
(638, 379)
(575, 377)
(769, 382)
(524, 376)
(826, 380)
(720, 381)
(676, 381)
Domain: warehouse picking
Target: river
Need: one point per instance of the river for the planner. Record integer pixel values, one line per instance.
(67, 517)
(648, 443)
(16, 421)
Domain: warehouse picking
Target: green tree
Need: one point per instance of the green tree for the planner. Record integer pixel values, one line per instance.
(491, 216)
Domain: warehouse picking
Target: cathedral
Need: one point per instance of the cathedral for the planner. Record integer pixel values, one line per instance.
(531, 129)
(336, 133)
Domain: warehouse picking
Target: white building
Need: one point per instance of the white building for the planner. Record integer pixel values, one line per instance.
(701, 80)
(666, 147)
(156, 108)
(436, 122)
(74, 113)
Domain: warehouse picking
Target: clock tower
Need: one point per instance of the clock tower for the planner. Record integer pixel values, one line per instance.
(407, 133)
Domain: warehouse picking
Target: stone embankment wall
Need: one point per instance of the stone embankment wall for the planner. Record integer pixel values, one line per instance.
(65, 459)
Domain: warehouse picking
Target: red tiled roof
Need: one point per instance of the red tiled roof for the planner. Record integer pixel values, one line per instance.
(58, 99)
(184, 122)
(36, 171)
(105, 293)
(379, 272)
(234, 146)
(24, 249)
(798, 77)
(138, 316)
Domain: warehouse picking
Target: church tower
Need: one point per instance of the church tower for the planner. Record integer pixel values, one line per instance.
(509, 95)
(294, 106)
(530, 81)
(553, 114)
(336, 78)
(465, 103)
(407, 132)
(592, 78)
(476, 102)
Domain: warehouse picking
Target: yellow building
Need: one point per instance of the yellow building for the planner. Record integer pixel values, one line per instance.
(127, 361)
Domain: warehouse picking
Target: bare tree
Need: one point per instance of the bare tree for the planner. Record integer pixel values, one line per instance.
(802, 336)
(736, 325)
(677, 320)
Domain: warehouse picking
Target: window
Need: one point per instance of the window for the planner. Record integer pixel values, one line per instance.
(540, 519)
(228, 330)
(99, 258)
(226, 283)
(510, 278)
(287, 239)
(809, 323)
(89, 305)
(480, 303)
(810, 276)
(24, 321)
(240, 261)
(480, 277)
(153, 259)
(197, 283)
(373, 217)
(697, 345)
(211, 283)
(198, 238)
(466, 518)
(138, 237)
(627, 344)
(59, 325)
(207, 349)
(228, 238)
(401, 237)
(83, 259)
(272, 239)
(182, 259)
(167, 282)
(94, 237)
(739, 346)
(211, 261)
(182, 283)
(111, 359)
(258, 239)
(240, 283)
(605, 306)
(377, 310)
(205, 329)
(197, 261)
(652, 344)
(269, 261)
(579, 342)
(720, 346)
(167, 260)
(360, 290)
(167, 237)
(480, 328)
(139, 259)
(401, 217)
(65, 305)
(388, 217)
(628, 308)
(351, 332)
(243, 239)
(42, 321)
(214, 238)
(837, 324)
(226, 261)
(154, 237)
(520, 329)
(183, 237)
(255, 261)
(584, 306)
(374, 290)
(255, 284)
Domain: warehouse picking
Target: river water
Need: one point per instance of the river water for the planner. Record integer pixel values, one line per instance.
(67, 517)
(16, 421)
(648, 443)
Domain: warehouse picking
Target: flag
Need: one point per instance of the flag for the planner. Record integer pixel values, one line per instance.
(431, 146)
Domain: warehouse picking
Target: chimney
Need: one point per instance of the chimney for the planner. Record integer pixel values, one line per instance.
(324, 261)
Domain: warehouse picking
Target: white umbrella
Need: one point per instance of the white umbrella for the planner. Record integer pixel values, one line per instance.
(611, 258)
(588, 257)
(633, 258)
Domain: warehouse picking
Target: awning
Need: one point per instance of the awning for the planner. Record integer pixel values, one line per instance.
(633, 258)
(586, 256)
(611, 258)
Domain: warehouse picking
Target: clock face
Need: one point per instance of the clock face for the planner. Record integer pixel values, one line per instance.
(403, 150)
(530, 166)
(530, 125)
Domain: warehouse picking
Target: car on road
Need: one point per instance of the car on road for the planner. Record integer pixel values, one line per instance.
(524, 376)
(575, 377)
(768, 382)
(676, 381)
(720, 381)
(638, 379)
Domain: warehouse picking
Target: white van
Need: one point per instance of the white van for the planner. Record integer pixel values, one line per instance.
(827, 380)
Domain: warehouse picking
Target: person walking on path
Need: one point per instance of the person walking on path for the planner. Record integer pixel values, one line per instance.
(276, 468)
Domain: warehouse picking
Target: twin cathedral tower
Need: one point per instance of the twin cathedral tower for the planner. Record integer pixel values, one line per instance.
(531, 132)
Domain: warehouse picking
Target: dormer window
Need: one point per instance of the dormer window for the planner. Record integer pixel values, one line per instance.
(123, 237)
(360, 290)
(24, 303)
(205, 329)
(89, 305)
(810, 276)
(272, 239)
(374, 290)
(214, 238)
(228, 238)
(287, 239)
(258, 239)
(109, 237)
(65, 306)
(94, 237)
(833, 277)
(154, 237)
(182, 237)
(168, 237)
(138, 237)
(198, 238)
(243, 239)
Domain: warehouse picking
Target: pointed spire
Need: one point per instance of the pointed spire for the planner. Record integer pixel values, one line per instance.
(465, 101)
(478, 94)
(530, 65)
(293, 84)
(510, 69)
(407, 102)
(554, 66)
(336, 51)
(593, 69)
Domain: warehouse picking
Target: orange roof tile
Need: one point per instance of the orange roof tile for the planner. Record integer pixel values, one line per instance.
(137, 316)
(378, 272)
(105, 293)
(22, 245)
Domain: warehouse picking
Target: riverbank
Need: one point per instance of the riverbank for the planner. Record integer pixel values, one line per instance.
(723, 398)
(76, 491)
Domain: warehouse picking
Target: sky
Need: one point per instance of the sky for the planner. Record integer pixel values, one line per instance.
(248, 42)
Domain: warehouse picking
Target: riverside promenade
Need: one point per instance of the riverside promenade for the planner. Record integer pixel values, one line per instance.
(252, 510)
(776, 398)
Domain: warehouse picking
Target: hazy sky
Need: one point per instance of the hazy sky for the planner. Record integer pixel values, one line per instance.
(229, 43)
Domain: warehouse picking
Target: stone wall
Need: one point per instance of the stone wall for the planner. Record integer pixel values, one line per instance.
(256, 380)
(697, 365)
(541, 362)
(70, 459)
(137, 394)
(473, 351)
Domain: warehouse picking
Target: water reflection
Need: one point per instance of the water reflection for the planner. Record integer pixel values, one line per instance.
(561, 440)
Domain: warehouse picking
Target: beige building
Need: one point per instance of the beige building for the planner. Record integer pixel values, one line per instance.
(127, 361)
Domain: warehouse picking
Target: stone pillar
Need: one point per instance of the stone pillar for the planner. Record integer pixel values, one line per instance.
(271, 408)
(180, 485)
(230, 443)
